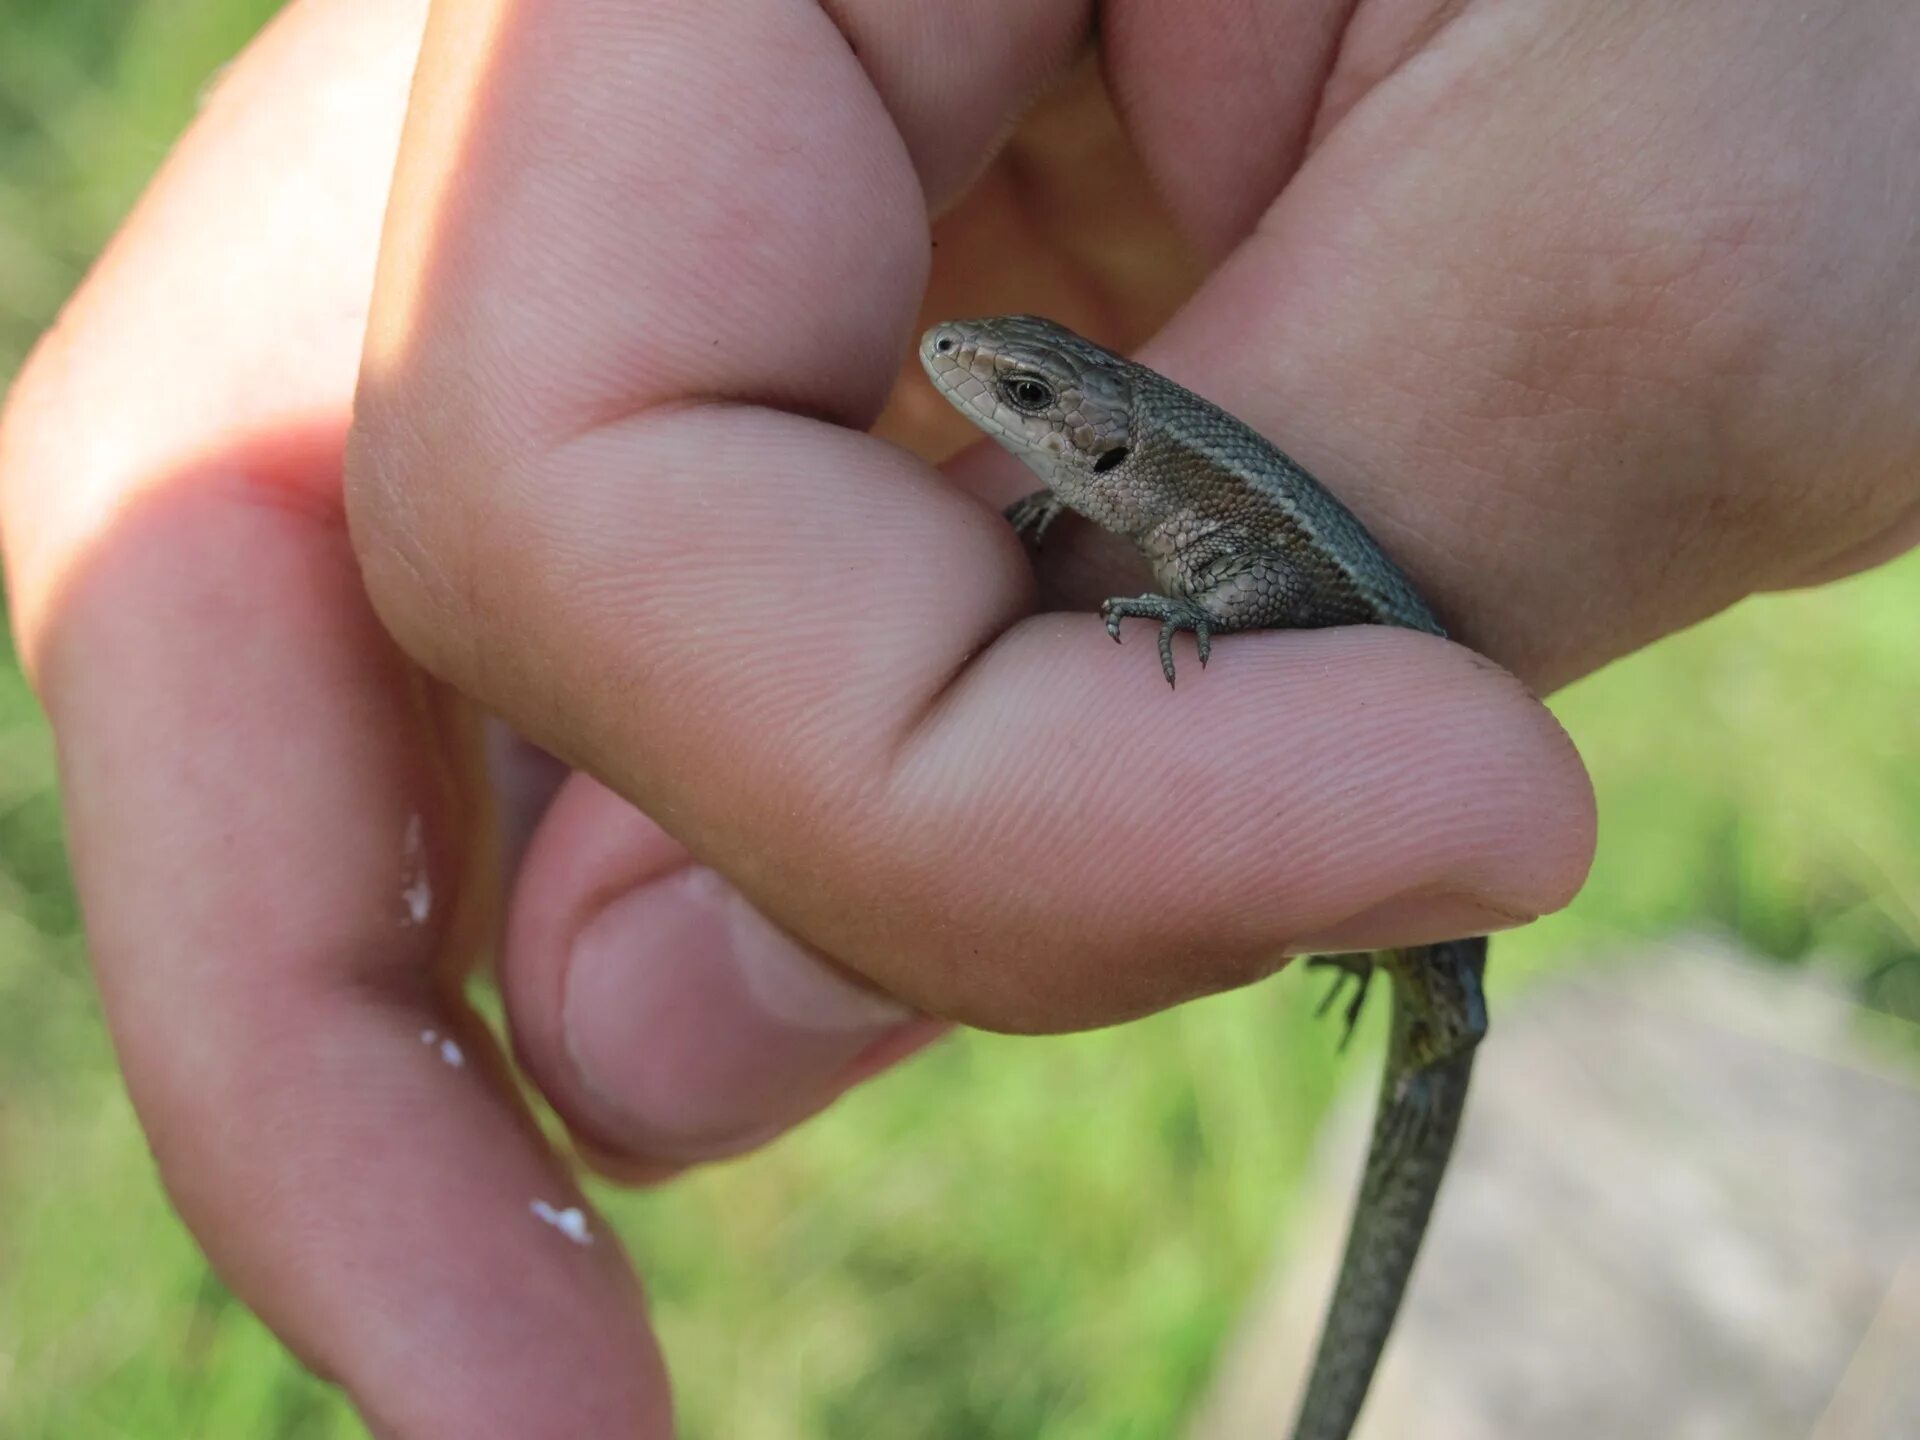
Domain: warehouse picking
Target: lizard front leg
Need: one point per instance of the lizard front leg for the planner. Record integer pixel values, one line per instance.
(1255, 590)
(1030, 516)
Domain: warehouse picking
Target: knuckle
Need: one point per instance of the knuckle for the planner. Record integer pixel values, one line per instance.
(415, 487)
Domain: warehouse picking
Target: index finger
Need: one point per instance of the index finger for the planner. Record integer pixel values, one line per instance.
(280, 868)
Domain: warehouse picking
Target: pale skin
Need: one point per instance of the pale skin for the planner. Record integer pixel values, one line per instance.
(1600, 316)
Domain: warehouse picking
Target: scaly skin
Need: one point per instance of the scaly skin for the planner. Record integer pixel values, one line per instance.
(1421, 1100)
(1239, 537)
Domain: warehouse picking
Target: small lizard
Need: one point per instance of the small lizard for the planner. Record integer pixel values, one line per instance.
(1239, 537)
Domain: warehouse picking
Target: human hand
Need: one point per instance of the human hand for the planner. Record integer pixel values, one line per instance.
(254, 958)
(578, 488)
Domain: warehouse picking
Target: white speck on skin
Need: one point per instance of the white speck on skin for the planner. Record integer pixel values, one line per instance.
(417, 896)
(450, 1050)
(570, 1222)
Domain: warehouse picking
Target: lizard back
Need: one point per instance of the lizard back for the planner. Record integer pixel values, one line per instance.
(1223, 461)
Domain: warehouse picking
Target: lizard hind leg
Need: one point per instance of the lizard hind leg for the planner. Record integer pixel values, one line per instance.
(1440, 1016)
(1445, 1007)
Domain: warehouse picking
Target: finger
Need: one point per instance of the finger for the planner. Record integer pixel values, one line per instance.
(736, 214)
(1223, 111)
(523, 780)
(798, 649)
(276, 862)
(661, 1015)
(276, 898)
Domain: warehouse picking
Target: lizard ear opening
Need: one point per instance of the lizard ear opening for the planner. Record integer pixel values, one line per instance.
(1110, 459)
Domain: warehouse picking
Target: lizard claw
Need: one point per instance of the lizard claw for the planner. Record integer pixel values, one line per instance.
(1030, 516)
(1357, 968)
(1173, 615)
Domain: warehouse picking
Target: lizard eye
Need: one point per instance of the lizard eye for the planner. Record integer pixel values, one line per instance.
(1027, 392)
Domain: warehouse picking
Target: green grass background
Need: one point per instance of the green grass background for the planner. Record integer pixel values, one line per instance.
(1012, 1238)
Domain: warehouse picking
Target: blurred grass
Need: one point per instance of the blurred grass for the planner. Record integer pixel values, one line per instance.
(957, 1251)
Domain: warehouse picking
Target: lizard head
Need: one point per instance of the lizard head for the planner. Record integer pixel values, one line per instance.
(1061, 403)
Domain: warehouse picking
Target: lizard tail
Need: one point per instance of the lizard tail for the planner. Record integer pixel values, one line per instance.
(1438, 1018)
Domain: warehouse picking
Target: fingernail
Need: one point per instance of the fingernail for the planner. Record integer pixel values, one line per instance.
(698, 1028)
(1410, 920)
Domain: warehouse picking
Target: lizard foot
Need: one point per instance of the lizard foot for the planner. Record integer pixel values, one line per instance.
(1357, 968)
(1173, 615)
(1030, 516)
